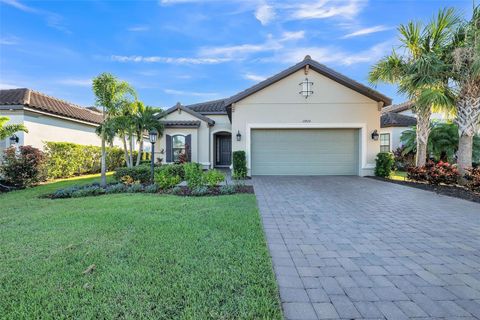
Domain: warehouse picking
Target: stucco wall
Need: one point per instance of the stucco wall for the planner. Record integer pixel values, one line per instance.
(16, 117)
(331, 105)
(43, 128)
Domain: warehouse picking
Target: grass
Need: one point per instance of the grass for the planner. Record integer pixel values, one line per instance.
(398, 175)
(162, 257)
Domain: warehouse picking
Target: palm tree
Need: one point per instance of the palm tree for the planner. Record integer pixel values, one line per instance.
(466, 75)
(7, 130)
(420, 72)
(145, 119)
(110, 94)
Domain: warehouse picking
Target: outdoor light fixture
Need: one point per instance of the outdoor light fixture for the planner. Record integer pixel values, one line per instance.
(153, 134)
(239, 136)
(14, 139)
(306, 88)
(375, 135)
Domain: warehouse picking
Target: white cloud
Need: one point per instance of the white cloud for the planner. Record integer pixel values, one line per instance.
(9, 41)
(254, 77)
(53, 20)
(265, 13)
(334, 55)
(138, 28)
(191, 93)
(323, 9)
(366, 31)
(76, 82)
(169, 60)
(296, 35)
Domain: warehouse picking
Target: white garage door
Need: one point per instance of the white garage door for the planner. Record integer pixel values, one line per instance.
(305, 151)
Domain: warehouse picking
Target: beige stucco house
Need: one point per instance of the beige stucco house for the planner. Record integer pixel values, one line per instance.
(306, 120)
(48, 119)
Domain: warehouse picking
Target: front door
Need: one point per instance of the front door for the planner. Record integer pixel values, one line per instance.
(224, 151)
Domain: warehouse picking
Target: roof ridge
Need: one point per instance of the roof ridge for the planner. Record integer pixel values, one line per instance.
(58, 99)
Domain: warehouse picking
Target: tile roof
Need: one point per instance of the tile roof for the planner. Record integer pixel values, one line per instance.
(391, 119)
(194, 113)
(181, 123)
(42, 102)
(398, 107)
(209, 107)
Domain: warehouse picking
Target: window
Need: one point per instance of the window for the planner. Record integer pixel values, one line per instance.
(385, 142)
(178, 147)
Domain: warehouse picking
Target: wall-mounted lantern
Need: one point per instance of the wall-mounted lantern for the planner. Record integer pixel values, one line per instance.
(239, 136)
(375, 135)
(14, 139)
(306, 88)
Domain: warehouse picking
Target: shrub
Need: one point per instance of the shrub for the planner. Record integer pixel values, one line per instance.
(134, 188)
(199, 191)
(23, 168)
(193, 175)
(177, 191)
(473, 179)
(66, 159)
(227, 189)
(115, 188)
(402, 159)
(383, 164)
(141, 174)
(213, 177)
(174, 170)
(92, 190)
(165, 181)
(239, 165)
(64, 193)
(441, 172)
(152, 188)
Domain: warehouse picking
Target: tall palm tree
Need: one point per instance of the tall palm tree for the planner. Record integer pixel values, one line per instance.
(145, 119)
(466, 75)
(7, 130)
(110, 94)
(420, 72)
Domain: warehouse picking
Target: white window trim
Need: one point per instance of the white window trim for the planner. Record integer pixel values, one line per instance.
(363, 136)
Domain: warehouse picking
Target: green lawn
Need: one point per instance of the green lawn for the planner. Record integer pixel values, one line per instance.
(162, 257)
(398, 175)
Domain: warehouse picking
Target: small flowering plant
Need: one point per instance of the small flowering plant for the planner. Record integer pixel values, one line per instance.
(435, 173)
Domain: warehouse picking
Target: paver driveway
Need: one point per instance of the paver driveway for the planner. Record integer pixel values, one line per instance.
(351, 248)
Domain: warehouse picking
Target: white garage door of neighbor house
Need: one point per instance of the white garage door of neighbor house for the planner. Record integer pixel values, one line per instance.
(304, 151)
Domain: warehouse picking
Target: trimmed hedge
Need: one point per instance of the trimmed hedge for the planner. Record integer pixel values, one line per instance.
(239, 165)
(65, 159)
(384, 164)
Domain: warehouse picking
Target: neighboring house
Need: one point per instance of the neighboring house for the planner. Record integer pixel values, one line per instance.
(393, 124)
(48, 119)
(398, 118)
(306, 120)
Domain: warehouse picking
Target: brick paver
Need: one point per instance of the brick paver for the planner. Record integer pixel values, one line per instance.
(358, 248)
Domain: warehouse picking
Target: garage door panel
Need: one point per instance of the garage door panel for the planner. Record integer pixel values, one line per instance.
(304, 152)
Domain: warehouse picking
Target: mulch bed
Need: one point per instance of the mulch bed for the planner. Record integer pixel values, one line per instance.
(451, 191)
(186, 192)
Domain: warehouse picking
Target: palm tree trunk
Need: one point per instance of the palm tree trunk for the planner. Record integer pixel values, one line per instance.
(103, 163)
(423, 130)
(468, 118)
(130, 154)
(140, 150)
(125, 151)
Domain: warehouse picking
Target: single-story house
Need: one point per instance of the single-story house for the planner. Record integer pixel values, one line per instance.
(305, 120)
(392, 126)
(48, 119)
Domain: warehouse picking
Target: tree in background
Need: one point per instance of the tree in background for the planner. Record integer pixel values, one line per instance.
(146, 119)
(443, 142)
(466, 75)
(420, 72)
(7, 130)
(110, 94)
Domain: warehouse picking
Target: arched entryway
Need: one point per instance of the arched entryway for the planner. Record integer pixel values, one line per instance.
(222, 143)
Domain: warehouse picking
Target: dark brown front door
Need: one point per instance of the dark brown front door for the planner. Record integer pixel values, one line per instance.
(224, 151)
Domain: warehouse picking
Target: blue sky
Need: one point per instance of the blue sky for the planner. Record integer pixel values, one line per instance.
(194, 50)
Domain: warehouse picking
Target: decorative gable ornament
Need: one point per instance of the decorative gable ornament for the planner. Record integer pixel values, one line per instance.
(306, 88)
